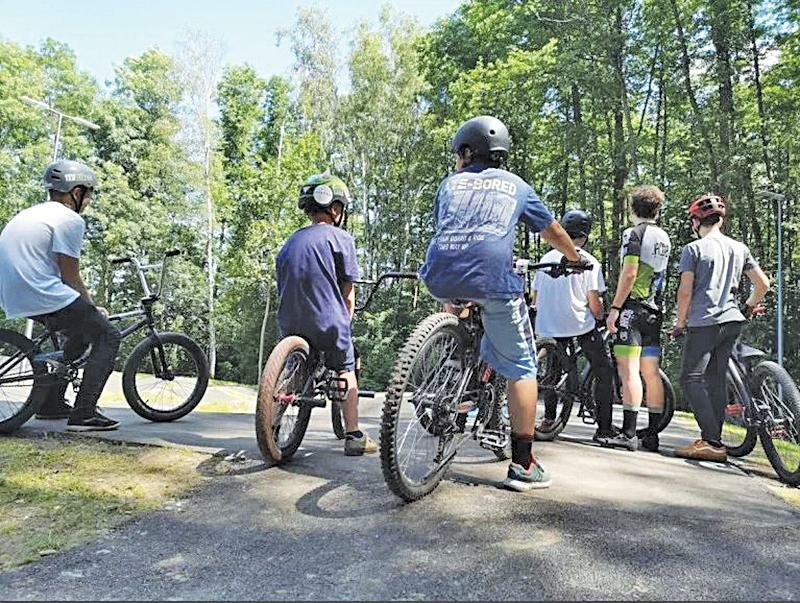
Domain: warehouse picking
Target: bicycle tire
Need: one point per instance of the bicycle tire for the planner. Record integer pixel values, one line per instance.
(547, 350)
(337, 420)
(418, 343)
(144, 353)
(12, 342)
(267, 432)
(738, 413)
(669, 402)
(789, 409)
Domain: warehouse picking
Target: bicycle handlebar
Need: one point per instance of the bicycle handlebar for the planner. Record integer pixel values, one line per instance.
(376, 283)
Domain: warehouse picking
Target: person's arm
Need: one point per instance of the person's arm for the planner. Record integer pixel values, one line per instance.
(760, 286)
(559, 240)
(595, 304)
(533, 298)
(71, 275)
(349, 294)
(684, 301)
(627, 277)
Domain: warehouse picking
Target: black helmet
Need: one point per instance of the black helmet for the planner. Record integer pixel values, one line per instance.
(577, 223)
(484, 135)
(321, 190)
(64, 175)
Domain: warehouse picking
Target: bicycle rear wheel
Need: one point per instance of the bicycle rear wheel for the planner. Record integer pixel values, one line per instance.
(337, 420)
(739, 433)
(281, 417)
(557, 404)
(165, 377)
(18, 376)
(780, 428)
(419, 419)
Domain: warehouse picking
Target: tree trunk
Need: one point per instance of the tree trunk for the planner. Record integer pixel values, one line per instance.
(577, 118)
(212, 267)
(687, 81)
(618, 59)
(721, 35)
(762, 114)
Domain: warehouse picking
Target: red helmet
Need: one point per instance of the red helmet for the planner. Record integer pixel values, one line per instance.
(707, 205)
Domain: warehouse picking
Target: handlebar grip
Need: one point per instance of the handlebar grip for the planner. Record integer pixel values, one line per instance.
(172, 253)
(121, 261)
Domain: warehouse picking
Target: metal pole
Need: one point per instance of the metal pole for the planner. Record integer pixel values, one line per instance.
(58, 136)
(779, 278)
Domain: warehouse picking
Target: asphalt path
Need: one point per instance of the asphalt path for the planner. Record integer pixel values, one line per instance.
(614, 525)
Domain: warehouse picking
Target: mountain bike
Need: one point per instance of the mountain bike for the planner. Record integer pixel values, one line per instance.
(294, 381)
(763, 403)
(163, 379)
(441, 395)
(563, 383)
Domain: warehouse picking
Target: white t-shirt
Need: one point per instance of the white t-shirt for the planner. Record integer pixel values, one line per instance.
(30, 280)
(562, 307)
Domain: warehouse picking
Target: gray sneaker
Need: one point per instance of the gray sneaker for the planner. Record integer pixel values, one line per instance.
(620, 440)
(358, 446)
(522, 480)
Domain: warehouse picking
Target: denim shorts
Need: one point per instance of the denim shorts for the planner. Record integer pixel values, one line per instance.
(508, 345)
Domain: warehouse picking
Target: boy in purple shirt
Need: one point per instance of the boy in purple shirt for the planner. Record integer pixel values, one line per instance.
(316, 269)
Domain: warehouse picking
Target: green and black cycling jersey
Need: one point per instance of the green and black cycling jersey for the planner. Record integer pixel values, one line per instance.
(649, 247)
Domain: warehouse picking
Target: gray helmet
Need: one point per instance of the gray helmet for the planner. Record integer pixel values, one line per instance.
(484, 135)
(64, 175)
(577, 223)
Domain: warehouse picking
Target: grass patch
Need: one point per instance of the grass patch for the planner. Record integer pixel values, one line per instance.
(60, 491)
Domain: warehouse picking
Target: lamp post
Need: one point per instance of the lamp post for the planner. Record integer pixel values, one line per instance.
(61, 117)
(778, 199)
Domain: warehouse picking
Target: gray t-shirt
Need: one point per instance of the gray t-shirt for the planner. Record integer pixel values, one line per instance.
(718, 263)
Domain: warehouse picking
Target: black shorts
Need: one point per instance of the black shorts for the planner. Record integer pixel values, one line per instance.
(639, 331)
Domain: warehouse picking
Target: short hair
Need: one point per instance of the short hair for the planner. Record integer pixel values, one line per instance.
(711, 220)
(57, 195)
(646, 200)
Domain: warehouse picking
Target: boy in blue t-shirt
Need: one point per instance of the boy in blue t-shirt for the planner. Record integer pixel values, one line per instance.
(316, 269)
(470, 257)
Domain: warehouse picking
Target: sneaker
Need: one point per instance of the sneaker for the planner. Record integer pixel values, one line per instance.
(649, 442)
(521, 480)
(620, 440)
(54, 412)
(703, 451)
(96, 422)
(357, 446)
(545, 426)
(602, 437)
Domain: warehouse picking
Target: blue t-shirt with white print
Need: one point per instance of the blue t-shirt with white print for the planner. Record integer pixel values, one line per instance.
(476, 213)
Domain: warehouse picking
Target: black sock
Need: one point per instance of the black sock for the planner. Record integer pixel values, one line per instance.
(356, 435)
(653, 420)
(521, 450)
(629, 422)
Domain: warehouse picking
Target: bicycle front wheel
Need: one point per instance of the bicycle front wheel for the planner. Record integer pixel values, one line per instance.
(165, 377)
(739, 433)
(419, 419)
(18, 377)
(780, 428)
(281, 416)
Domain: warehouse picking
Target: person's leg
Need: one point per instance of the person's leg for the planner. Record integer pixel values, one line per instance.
(356, 442)
(105, 339)
(53, 405)
(508, 347)
(716, 376)
(650, 364)
(596, 352)
(698, 348)
(628, 350)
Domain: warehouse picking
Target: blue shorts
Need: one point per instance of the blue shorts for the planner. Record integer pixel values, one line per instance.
(508, 345)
